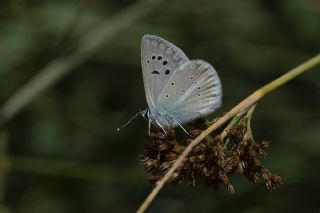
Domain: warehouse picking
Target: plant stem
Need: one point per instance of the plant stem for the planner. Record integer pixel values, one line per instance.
(233, 122)
(243, 105)
(291, 74)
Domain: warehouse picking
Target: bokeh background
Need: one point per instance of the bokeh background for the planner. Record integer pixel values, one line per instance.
(59, 148)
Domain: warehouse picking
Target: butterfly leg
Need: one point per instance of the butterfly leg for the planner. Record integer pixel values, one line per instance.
(182, 127)
(149, 127)
(161, 127)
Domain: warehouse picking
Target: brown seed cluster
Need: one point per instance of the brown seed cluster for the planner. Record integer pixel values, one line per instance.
(215, 159)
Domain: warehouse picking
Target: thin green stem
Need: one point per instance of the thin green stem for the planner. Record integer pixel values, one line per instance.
(233, 122)
(291, 74)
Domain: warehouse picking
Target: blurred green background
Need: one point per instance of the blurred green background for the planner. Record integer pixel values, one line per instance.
(61, 152)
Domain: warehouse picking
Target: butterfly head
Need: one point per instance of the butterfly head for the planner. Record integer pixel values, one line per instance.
(146, 114)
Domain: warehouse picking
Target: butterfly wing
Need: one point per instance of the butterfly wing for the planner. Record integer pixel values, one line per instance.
(159, 60)
(194, 90)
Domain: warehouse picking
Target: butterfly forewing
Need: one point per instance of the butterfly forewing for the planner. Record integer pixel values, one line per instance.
(194, 90)
(159, 60)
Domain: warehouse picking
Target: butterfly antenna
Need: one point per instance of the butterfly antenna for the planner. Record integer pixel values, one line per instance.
(131, 119)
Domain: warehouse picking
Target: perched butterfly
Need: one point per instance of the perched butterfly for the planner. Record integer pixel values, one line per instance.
(178, 90)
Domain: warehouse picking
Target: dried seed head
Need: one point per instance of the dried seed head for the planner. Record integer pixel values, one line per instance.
(214, 159)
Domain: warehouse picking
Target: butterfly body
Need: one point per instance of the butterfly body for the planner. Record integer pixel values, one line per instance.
(178, 90)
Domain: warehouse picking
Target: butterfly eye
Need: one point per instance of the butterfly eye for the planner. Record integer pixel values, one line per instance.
(146, 114)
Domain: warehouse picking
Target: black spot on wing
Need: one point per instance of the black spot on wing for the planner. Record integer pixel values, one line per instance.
(155, 72)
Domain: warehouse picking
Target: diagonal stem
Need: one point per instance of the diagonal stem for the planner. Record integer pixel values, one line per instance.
(243, 105)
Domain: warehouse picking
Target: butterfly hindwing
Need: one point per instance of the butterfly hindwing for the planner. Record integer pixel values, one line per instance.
(193, 90)
(159, 60)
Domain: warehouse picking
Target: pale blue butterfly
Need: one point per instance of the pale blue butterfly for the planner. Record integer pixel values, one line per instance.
(178, 90)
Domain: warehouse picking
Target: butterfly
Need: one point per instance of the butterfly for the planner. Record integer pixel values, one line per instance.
(178, 90)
